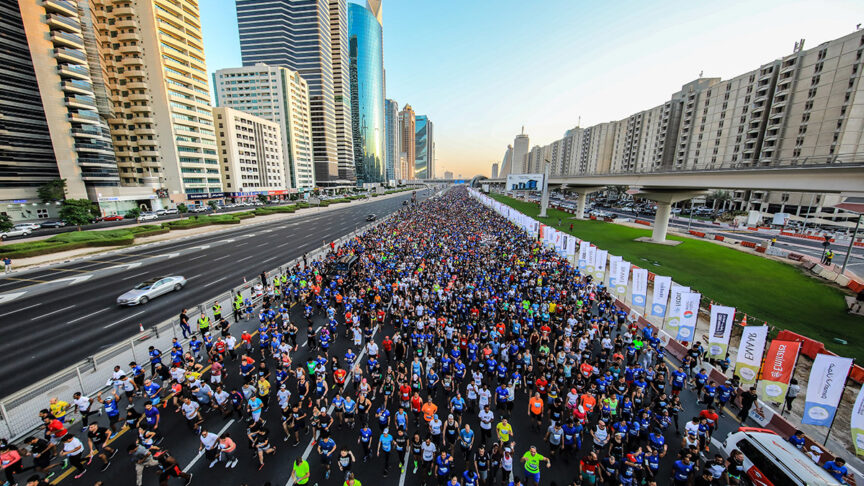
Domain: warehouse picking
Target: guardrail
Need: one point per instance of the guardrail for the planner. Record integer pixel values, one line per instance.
(19, 411)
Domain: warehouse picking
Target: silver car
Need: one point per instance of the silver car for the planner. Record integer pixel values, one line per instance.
(150, 289)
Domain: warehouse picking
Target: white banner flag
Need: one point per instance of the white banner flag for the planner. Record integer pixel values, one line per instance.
(689, 315)
(622, 277)
(857, 424)
(600, 265)
(613, 270)
(571, 247)
(583, 254)
(676, 308)
(661, 295)
(590, 260)
(750, 351)
(720, 330)
(639, 294)
(824, 389)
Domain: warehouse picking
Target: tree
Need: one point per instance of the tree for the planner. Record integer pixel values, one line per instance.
(52, 191)
(133, 213)
(263, 198)
(718, 197)
(78, 212)
(182, 208)
(5, 222)
(212, 205)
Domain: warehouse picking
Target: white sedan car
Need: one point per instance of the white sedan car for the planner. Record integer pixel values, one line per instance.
(150, 289)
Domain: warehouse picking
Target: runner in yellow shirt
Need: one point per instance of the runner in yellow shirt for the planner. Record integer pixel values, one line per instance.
(505, 431)
(300, 473)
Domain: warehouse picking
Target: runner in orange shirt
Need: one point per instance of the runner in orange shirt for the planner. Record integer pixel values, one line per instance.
(535, 411)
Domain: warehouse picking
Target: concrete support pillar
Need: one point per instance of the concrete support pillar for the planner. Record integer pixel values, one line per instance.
(661, 221)
(664, 200)
(583, 193)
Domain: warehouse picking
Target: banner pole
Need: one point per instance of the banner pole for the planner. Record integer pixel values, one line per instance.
(845, 382)
(798, 356)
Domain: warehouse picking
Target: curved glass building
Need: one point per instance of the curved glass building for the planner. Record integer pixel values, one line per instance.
(366, 52)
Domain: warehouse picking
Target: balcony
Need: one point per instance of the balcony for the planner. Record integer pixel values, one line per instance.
(78, 86)
(81, 101)
(137, 85)
(74, 71)
(126, 24)
(130, 49)
(145, 131)
(64, 23)
(128, 37)
(67, 40)
(138, 97)
(70, 55)
(84, 117)
(132, 61)
(61, 6)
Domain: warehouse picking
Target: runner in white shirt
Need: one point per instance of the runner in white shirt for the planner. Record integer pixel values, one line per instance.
(209, 444)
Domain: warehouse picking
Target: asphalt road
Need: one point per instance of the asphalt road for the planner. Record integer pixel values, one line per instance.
(69, 312)
(183, 444)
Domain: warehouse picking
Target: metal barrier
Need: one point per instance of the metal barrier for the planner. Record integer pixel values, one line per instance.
(19, 411)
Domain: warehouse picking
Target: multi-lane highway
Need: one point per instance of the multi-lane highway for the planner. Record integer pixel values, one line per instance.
(55, 317)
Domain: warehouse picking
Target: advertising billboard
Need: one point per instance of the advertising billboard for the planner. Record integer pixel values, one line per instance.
(525, 182)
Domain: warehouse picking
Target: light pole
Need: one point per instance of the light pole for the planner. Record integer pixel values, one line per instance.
(851, 244)
(544, 198)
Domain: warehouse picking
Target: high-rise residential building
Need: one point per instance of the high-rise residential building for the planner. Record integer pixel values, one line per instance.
(57, 36)
(507, 162)
(495, 170)
(448, 174)
(366, 54)
(299, 35)
(392, 141)
(250, 152)
(520, 153)
(408, 130)
(282, 96)
(424, 152)
(162, 123)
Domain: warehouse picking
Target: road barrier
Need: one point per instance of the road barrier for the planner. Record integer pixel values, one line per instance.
(19, 411)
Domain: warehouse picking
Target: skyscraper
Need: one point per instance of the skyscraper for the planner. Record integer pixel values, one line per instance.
(407, 128)
(298, 34)
(424, 153)
(495, 170)
(392, 141)
(520, 153)
(281, 96)
(342, 88)
(252, 160)
(366, 53)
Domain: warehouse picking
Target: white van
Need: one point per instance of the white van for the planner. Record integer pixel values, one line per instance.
(771, 460)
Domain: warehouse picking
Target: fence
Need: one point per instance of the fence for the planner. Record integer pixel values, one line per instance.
(19, 411)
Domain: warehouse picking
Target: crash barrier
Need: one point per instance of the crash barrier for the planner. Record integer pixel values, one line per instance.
(19, 411)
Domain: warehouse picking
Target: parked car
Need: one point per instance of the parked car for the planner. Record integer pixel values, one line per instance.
(27, 226)
(148, 216)
(150, 289)
(12, 233)
(171, 211)
(53, 224)
(199, 209)
(771, 459)
(159, 212)
(113, 217)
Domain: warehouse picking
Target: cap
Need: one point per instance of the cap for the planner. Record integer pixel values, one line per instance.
(450, 416)
(507, 449)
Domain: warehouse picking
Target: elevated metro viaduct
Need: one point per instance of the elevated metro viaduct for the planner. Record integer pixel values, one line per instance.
(667, 188)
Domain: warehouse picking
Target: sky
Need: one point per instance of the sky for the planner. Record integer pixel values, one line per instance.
(482, 69)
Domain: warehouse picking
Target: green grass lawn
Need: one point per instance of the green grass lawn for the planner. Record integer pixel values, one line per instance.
(766, 289)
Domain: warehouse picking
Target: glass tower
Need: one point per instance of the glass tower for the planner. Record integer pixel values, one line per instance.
(422, 152)
(366, 52)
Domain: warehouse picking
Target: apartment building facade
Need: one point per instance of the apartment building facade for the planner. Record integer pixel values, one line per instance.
(251, 154)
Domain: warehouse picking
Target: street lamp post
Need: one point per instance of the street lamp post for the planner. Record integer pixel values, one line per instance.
(851, 244)
(544, 198)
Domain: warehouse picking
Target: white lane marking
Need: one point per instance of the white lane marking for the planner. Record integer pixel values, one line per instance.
(169, 255)
(53, 312)
(229, 240)
(283, 244)
(240, 244)
(201, 454)
(121, 320)
(262, 244)
(136, 275)
(13, 296)
(266, 231)
(245, 258)
(75, 280)
(217, 280)
(195, 276)
(269, 259)
(202, 247)
(404, 468)
(195, 258)
(88, 315)
(221, 258)
(130, 266)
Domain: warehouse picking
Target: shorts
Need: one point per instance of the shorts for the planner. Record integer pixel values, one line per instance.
(532, 476)
(325, 459)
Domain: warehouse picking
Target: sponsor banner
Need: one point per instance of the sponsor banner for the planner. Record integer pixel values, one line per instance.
(524, 182)
(824, 389)
(571, 247)
(622, 277)
(689, 315)
(590, 260)
(613, 270)
(750, 351)
(720, 330)
(777, 370)
(583, 255)
(600, 265)
(676, 299)
(661, 295)
(639, 294)
(857, 424)
(761, 413)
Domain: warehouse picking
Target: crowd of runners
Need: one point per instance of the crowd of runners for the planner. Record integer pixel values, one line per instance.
(452, 326)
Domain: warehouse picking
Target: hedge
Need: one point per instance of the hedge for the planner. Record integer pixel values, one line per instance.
(68, 241)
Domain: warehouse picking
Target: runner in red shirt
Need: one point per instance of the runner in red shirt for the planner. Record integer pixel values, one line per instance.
(540, 385)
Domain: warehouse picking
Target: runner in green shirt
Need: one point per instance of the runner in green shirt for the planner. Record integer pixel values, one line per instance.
(300, 474)
(532, 462)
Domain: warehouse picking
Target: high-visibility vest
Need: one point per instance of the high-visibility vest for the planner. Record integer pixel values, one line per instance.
(203, 322)
(217, 309)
